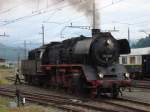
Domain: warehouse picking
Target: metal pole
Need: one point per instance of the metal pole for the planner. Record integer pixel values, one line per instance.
(25, 50)
(94, 14)
(129, 35)
(18, 61)
(43, 34)
(47, 3)
(4, 35)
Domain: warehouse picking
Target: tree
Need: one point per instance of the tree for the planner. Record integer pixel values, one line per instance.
(144, 42)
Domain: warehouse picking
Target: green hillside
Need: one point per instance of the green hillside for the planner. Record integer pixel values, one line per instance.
(143, 42)
(11, 53)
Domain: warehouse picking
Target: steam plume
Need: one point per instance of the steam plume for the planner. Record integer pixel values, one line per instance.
(86, 7)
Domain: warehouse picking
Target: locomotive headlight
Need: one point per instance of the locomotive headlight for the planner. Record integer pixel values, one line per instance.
(127, 75)
(101, 75)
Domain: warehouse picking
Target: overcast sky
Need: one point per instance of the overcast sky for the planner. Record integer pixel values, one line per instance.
(22, 19)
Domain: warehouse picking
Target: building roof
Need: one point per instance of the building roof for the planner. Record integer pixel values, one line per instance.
(140, 51)
(2, 60)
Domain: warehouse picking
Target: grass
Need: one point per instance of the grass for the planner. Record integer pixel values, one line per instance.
(4, 81)
(31, 108)
(4, 67)
(4, 73)
(2, 109)
(4, 101)
(3, 104)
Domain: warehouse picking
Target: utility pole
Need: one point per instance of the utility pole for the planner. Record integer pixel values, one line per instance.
(18, 63)
(43, 34)
(4, 35)
(25, 50)
(129, 35)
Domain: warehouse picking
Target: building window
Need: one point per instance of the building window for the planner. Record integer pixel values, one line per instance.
(124, 60)
(132, 60)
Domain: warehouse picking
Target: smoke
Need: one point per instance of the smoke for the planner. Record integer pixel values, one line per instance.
(86, 7)
(82, 6)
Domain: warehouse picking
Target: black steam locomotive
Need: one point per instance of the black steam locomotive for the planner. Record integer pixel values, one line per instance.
(88, 65)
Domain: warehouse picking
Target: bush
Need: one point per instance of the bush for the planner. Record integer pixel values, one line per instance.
(3, 67)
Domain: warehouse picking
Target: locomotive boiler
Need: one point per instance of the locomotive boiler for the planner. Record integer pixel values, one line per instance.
(88, 65)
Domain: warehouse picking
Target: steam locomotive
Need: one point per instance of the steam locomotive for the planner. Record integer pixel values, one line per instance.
(88, 65)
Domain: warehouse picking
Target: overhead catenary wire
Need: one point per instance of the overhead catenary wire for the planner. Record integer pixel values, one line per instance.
(70, 19)
(35, 14)
(10, 9)
(78, 18)
(136, 24)
(23, 18)
(41, 11)
(49, 6)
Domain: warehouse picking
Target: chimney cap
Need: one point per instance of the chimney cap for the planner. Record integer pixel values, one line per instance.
(95, 31)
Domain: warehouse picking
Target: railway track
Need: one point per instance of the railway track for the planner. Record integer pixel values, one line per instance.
(142, 84)
(57, 101)
(78, 105)
(130, 104)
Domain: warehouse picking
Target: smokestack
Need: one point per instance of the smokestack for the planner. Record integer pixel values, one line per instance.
(95, 31)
